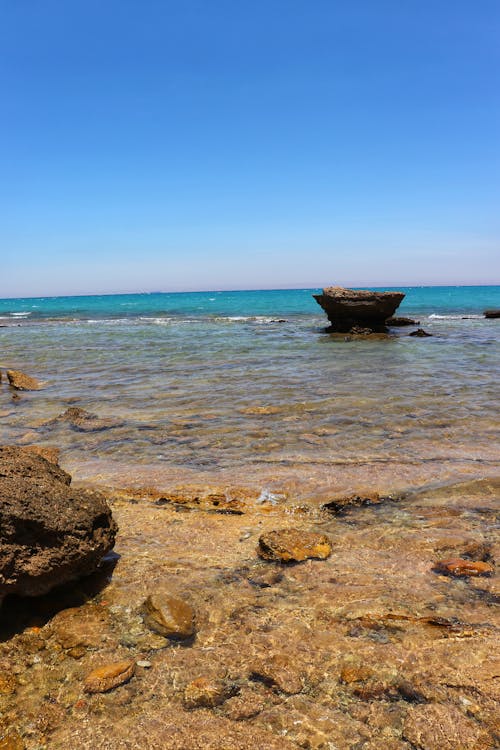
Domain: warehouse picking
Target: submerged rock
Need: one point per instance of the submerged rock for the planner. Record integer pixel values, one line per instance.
(51, 533)
(106, 678)
(432, 726)
(348, 309)
(84, 421)
(458, 568)
(395, 322)
(420, 333)
(293, 545)
(22, 382)
(169, 616)
(205, 692)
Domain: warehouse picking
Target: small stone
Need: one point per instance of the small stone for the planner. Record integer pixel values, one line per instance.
(352, 673)
(246, 705)
(293, 545)
(144, 664)
(106, 678)
(265, 577)
(205, 692)
(420, 333)
(22, 382)
(281, 672)
(459, 568)
(169, 616)
(355, 500)
(432, 726)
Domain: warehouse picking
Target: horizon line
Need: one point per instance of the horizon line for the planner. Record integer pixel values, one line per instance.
(251, 289)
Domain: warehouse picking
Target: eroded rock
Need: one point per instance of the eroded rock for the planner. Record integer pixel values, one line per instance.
(51, 533)
(83, 421)
(395, 322)
(22, 382)
(293, 545)
(169, 616)
(420, 333)
(348, 309)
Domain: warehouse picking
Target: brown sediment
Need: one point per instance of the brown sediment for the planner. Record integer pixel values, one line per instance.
(366, 649)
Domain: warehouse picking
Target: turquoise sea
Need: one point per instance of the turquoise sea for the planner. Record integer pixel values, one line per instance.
(246, 387)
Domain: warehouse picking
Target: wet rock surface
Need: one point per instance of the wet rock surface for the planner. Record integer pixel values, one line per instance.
(82, 420)
(22, 382)
(51, 533)
(105, 678)
(463, 568)
(420, 333)
(396, 322)
(367, 649)
(293, 545)
(169, 616)
(354, 311)
(492, 313)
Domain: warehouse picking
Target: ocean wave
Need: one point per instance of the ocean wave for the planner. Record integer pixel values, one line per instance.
(20, 314)
(436, 316)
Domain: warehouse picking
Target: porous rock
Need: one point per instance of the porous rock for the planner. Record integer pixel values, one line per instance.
(51, 533)
(348, 309)
(293, 545)
(432, 726)
(169, 616)
(22, 382)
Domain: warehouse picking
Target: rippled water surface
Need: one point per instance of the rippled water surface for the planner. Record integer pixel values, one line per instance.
(247, 386)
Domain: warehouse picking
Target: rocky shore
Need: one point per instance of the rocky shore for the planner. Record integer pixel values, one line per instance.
(221, 622)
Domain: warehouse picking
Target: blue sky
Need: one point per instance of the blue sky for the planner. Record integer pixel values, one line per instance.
(211, 145)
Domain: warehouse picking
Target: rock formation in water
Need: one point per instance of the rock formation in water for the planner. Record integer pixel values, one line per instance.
(50, 532)
(492, 313)
(349, 309)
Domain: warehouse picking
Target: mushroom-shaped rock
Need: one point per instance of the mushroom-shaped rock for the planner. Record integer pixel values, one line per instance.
(349, 309)
(169, 616)
(293, 545)
(51, 533)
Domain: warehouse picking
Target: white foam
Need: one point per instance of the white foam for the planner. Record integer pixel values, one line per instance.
(20, 314)
(435, 316)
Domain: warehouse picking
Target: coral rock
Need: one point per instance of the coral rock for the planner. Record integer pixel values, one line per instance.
(293, 545)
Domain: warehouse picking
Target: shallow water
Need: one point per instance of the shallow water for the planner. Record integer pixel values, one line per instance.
(210, 386)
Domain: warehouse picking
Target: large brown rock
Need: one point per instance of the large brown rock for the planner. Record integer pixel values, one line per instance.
(293, 545)
(353, 308)
(50, 532)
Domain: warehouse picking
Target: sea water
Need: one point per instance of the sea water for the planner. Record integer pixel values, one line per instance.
(247, 387)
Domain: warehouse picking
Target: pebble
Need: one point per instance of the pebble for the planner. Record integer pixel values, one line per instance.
(205, 692)
(169, 616)
(144, 664)
(106, 678)
(458, 567)
(293, 545)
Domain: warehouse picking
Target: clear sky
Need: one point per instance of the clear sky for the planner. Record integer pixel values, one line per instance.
(214, 144)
